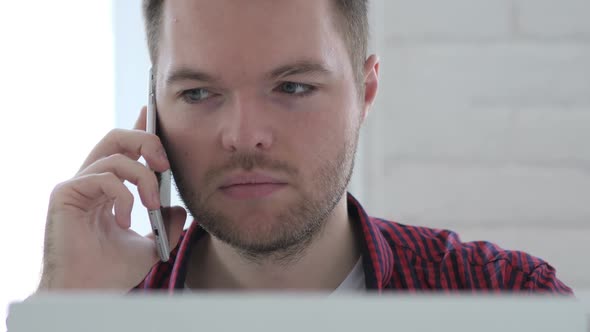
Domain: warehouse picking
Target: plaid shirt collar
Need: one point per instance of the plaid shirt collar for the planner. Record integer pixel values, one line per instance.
(376, 253)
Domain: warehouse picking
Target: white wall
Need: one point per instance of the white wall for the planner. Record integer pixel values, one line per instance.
(483, 123)
(57, 101)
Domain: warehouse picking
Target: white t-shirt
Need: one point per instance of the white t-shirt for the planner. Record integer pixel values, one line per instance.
(354, 281)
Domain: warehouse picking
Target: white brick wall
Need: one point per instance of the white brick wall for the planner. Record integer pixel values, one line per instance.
(482, 124)
(449, 19)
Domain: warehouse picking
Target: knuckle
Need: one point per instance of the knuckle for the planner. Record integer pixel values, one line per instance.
(126, 197)
(143, 176)
(151, 182)
(145, 180)
(112, 137)
(155, 142)
(129, 196)
(117, 158)
(113, 134)
(156, 139)
(58, 190)
(108, 177)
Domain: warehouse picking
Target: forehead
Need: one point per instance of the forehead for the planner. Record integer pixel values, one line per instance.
(235, 34)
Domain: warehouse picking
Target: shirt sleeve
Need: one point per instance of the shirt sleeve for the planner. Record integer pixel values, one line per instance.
(543, 280)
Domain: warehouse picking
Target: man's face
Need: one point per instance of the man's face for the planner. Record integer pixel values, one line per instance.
(259, 114)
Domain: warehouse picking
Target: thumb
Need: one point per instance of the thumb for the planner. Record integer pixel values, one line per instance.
(174, 220)
(140, 123)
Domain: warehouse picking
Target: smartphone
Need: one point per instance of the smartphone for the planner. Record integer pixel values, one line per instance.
(164, 178)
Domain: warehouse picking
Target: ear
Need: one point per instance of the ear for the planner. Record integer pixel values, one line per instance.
(371, 79)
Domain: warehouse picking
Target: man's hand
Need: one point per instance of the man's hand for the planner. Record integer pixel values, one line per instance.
(86, 245)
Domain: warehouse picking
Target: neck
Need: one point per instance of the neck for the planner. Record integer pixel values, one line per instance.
(321, 265)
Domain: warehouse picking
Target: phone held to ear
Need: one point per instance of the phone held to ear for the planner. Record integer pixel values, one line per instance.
(164, 178)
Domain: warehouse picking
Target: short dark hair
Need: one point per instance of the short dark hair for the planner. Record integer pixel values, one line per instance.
(352, 22)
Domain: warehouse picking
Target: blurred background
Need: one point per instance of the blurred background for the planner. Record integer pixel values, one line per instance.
(482, 123)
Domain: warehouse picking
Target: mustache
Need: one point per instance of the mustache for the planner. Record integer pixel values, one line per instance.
(249, 162)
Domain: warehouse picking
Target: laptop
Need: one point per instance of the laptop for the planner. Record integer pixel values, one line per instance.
(295, 312)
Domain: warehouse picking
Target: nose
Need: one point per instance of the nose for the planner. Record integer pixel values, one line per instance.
(245, 128)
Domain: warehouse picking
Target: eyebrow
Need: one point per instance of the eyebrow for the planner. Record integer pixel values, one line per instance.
(296, 68)
(186, 74)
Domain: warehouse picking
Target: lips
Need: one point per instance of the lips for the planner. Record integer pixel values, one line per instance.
(251, 186)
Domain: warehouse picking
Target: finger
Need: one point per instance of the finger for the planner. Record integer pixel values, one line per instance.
(140, 123)
(86, 191)
(133, 144)
(174, 220)
(129, 170)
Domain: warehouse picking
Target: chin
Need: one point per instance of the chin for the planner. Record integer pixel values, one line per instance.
(253, 227)
(251, 230)
(266, 224)
(259, 219)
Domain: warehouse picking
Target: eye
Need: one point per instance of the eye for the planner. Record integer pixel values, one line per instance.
(196, 95)
(296, 89)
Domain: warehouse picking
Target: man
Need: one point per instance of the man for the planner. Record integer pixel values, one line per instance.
(259, 105)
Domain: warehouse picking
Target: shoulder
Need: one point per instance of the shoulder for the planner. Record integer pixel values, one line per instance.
(435, 244)
(438, 259)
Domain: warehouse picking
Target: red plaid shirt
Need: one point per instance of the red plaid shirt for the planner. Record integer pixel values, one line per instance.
(406, 258)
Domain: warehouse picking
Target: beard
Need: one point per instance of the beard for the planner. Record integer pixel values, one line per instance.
(284, 236)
